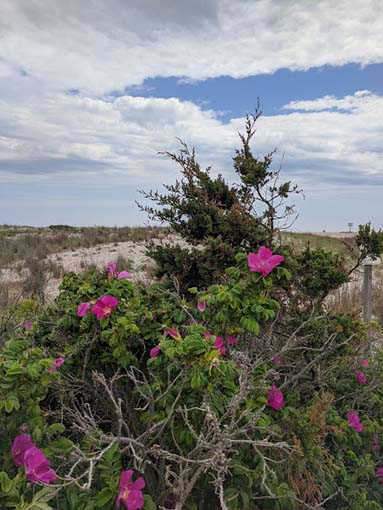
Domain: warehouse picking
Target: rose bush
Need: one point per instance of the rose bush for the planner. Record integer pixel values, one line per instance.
(146, 399)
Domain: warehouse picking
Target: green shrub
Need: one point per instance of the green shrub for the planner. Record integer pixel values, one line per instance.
(195, 418)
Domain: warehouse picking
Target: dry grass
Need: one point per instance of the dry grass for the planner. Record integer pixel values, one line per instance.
(349, 297)
(26, 263)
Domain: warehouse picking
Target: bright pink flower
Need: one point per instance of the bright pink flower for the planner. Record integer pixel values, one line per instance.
(201, 305)
(275, 398)
(207, 335)
(112, 268)
(173, 333)
(379, 474)
(124, 275)
(264, 261)
(57, 364)
(363, 363)
(103, 307)
(155, 351)
(28, 325)
(277, 360)
(37, 466)
(353, 421)
(360, 376)
(83, 309)
(231, 340)
(20, 445)
(219, 344)
(130, 492)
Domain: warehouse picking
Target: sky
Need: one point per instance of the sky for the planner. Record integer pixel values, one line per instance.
(91, 92)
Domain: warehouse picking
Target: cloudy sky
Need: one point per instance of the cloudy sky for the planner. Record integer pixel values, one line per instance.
(90, 91)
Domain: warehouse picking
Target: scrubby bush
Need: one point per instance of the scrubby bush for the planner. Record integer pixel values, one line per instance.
(222, 218)
(219, 401)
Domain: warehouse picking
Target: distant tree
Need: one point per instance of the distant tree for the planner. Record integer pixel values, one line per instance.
(369, 242)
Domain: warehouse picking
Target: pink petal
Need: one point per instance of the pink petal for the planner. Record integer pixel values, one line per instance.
(83, 309)
(154, 351)
(231, 340)
(112, 268)
(275, 260)
(125, 478)
(360, 376)
(109, 301)
(57, 364)
(201, 305)
(219, 342)
(135, 500)
(124, 275)
(173, 333)
(37, 466)
(363, 363)
(20, 445)
(139, 484)
(28, 325)
(264, 253)
(253, 262)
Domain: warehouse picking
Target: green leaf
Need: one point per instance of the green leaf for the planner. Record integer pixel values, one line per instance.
(55, 428)
(5, 482)
(149, 503)
(104, 497)
(8, 406)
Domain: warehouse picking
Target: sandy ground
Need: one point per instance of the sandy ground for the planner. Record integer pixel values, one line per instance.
(139, 264)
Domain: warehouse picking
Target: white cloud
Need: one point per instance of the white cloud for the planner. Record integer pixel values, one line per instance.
(99, 45)
(327, 142)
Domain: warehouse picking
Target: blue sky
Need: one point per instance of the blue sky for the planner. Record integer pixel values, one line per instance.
(90, 93)
(236, 97)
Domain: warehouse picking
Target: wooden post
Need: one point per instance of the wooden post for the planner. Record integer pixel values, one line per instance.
(367, 292)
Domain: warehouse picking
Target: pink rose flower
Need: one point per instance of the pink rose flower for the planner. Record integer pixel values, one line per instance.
(20, 445)
(275, 398)
(354, 422)
(83, 309)
(103, 307)
(123, 275)
(130, 492)
(360, 376)
(219, 344)
(231, 340)
(201, 305)
(155, 351)
(264, 261)
(37, 466)
(57, 364)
